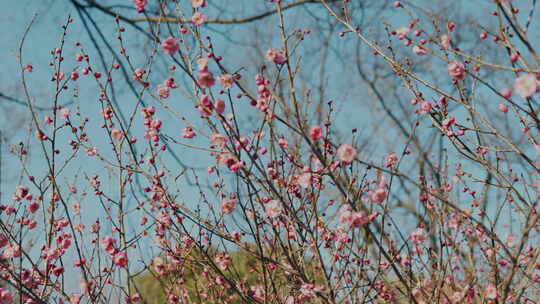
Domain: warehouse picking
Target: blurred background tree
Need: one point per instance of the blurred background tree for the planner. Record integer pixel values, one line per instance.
(182, 276)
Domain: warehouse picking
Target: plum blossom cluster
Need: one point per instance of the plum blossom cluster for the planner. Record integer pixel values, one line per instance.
(152, 125)
(140, 5)
(275, 56)
(264, 96)
(118, 257)
(206, 107)
(206, 78)
(527, 85)
(282, 200)
(164, 89)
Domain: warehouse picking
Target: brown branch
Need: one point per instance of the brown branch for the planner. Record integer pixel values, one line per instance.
(23, 103)
(178, 20)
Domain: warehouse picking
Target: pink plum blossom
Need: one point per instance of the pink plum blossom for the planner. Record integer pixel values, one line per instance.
(275, 56)
(346, 153)
(198, 19)
(446, 41)
(218, 140)
(526, 85)
(379, 195)
(120, 259)
(206, 79)
(117, 134)
(506, 93)
(6, 296)
(219, 106)
(163, 91)
(273, 209)
(391, 159)
(64, 113)
(198, 3)
(188, 132)
(419, 50)
(304, 180)
(228, 205)
(350, 218)
(315, 132)
(170, 46)
(12, 251)
(418, 236)
(140, 4)
(456, 69)
(491, 292)
(402, 32)
(226, 81)
(425, 106)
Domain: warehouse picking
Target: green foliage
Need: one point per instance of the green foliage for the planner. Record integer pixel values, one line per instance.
(245, 270)
(153, 287)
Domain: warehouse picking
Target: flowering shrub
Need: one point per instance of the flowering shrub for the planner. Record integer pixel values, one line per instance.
(219, 181)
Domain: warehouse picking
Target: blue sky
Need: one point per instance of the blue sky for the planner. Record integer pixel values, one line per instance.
(45, 34)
